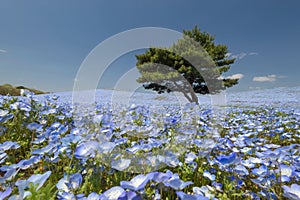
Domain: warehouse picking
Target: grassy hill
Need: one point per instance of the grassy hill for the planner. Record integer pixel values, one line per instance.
(8, 89)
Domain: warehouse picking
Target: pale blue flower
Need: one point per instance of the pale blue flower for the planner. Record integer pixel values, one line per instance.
(208, 175)
(39, 179)
(114, 193)
(5, 194)
(120, 164)
(184, 196)
(137, 183)
(261, 171)
(241, 170)
(292, 192)
(227, 160)
(177, 184)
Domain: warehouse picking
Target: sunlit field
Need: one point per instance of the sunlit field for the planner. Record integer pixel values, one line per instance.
(151, 148)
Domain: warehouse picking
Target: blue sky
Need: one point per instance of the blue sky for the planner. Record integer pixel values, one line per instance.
(43, 43)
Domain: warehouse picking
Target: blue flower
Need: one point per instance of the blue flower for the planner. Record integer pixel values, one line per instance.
(9, 145)
(93, 196)
(268, 195)
(106, 147)
(184, 196)
(86, 149)
(208, 175)
(261, 171)
(190, 157)
(161, 177)
(177, 184)
(130, 195)
(120, 164)
(3, 156)
(10, 173)
(241, 170)
(34, 126)
(227, 160)
(70, 183)
(114, 193)
(5, 194)
(137, 183)
(39, 179)
(206, 191)
(286, 172)
(218, 186)
(66, 196)
(292, 192)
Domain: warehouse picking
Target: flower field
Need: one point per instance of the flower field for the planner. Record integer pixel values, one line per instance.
(147, 151)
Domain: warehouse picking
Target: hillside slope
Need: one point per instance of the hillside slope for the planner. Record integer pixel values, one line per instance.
(8, 89)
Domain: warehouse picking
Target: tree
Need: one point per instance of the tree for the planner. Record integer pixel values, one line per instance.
(192, 65)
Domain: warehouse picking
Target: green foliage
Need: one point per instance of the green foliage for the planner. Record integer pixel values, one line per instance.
(192, 65)
(8, 89)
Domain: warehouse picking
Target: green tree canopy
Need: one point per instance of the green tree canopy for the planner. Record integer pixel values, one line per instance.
(192, 65)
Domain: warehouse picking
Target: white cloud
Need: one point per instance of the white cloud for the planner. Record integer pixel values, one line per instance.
(234, 76)
(240, 56)
(2, 51)
(268, 78)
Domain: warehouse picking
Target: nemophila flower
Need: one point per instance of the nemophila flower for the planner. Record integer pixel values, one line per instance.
(183, 196)
(206, 191)
(9, 174)
(34, 126)
(66, 196)
(241, 170)
(208, 175)
(39, 179)
(120, 164)
(9, 145)
(217, 186)
(248, 163)
(177, 184)
(292, 192)
(86, 149)
(269, 154)
(255, 160)
(227, 160)
(286, 172)
(5, 194)
(39, 139)
(3, 156)
(268, 195)
(169, 159)
(47, 149)
(254, 196)
(137, 183)
(106, 147)
(6, 118)
(261, 171)
(3, 113)
(272, 146)
(25, 164)
(93, 196)
(190, 157)
(70, 182)
(134, 149)
(161, 177)
(114, 193)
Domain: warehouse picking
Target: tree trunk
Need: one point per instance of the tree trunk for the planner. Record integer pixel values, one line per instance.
(193, 98)
(193, 95)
